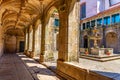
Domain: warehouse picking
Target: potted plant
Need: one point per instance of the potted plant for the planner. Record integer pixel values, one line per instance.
(86, 52)
(107, 52)
(102, 46)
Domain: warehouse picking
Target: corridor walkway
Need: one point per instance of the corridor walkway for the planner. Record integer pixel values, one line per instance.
(19, 67)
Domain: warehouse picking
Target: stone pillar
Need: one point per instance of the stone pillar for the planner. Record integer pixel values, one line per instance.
(30, 32)
(46, 42)
(26, 40)
(42, 52)
(33, 42)
(119, 39)
(69, 34)
(38, 40)
(63, 34)
(55, 43)
(36, 36)
(49, 39)
(73, 33)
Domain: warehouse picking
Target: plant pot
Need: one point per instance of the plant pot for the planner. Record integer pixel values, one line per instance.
(107, 53)
(86, 53)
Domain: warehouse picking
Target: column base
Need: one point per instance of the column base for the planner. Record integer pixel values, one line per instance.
(41, 58)
(28, 53)
(32, 54)
(25, 52)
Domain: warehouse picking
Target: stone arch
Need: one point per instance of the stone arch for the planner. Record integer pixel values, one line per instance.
(112, 41)
(109, 31)
(10, 44)
(49, 13)
(50, 34)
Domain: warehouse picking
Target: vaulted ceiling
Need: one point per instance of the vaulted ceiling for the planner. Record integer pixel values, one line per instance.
(15, 15)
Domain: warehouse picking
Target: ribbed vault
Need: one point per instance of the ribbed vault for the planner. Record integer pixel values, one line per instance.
(18, 14)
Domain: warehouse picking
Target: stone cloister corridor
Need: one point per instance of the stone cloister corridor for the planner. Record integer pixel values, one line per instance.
(24, 68)
(40, 40)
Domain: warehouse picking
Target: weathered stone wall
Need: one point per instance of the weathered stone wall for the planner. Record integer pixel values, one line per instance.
(1, 41)
(18, 43)
(10, 44)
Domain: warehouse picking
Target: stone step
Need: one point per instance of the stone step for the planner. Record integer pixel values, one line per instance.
(102, 56)
(104, 59)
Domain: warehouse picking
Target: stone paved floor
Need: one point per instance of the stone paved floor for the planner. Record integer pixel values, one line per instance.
(13, 67)
(109, 68)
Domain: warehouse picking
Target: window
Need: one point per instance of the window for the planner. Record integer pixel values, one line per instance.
(115, 18)
(83, 11)
(83, 26)
(93, 23)
(112, 2)
(107, 20)
(88, 25)
(99, 22)
(56, 22)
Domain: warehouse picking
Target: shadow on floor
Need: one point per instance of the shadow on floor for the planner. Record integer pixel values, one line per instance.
(38, 71)
(114, 76)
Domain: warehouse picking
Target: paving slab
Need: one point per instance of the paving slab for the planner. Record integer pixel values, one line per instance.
(19, 67)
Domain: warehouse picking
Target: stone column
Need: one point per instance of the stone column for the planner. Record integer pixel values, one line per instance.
(46, 42)
(73, 33)
(33, 42)
(49, 40)
(42, 52)
(55, 43)
(63, 34)
(69, 33)
(119, 38)
(29, 46)
(25, 38)
(38, 38)
(28, 40)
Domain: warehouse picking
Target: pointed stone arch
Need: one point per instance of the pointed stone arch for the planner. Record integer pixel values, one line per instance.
(112, 41)
(50, 34)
